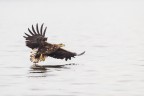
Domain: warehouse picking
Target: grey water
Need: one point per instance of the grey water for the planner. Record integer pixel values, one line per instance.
(111, 32)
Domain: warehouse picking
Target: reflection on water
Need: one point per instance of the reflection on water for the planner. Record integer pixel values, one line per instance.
(47, 69)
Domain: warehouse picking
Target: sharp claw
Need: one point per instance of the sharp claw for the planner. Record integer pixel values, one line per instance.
(42, 58)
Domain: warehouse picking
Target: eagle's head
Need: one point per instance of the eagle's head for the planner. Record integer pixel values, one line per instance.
(61, 45)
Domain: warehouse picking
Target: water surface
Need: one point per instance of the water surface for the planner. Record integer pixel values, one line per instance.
(111, 33)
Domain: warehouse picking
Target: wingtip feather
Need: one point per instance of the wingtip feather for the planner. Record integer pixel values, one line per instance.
(33, 29)
(37, 28)
(81, 53)
(44, 31)
(24, 36)
(41, 29)
(27, 34)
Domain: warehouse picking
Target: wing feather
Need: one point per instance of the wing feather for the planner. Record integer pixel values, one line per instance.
(30, 32)
(24, 36)
(41, 29)
(44, 31)
(63, 54)
(33, 29)
(37, 29)
(27, 34)
(36, 38)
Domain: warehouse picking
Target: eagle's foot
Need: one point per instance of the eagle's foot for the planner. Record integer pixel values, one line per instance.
(42, 57)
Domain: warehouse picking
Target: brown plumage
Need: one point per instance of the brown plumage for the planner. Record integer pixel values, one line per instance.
(37, 41)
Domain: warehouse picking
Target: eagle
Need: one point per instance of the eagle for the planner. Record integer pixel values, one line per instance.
(41, 49)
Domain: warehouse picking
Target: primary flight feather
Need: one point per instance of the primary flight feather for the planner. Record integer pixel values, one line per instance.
(37, 41)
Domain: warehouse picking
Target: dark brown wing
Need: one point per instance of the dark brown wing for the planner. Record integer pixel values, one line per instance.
(36, 37)
(64, 54)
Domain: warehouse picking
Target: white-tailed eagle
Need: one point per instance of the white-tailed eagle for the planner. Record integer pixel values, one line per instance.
(37, 41)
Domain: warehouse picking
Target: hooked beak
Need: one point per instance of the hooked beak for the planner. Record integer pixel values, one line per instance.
(62, 45)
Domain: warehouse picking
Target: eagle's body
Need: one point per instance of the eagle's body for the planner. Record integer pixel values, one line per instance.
(42, 49)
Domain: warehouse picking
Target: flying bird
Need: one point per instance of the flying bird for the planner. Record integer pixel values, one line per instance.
(41, 49)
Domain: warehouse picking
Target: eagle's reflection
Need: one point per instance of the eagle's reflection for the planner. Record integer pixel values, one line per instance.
(43, 70)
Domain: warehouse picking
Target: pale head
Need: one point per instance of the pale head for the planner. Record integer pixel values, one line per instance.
(61, 45)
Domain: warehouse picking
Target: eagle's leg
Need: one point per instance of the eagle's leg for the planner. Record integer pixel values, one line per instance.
(42, 57)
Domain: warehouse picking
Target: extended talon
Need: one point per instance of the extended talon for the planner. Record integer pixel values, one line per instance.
(42, 58)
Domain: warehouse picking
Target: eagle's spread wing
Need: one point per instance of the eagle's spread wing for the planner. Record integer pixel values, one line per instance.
(36, 37)
(64, 54)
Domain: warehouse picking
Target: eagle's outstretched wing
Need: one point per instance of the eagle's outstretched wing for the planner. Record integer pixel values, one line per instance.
(64, 54)
(36, 37)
